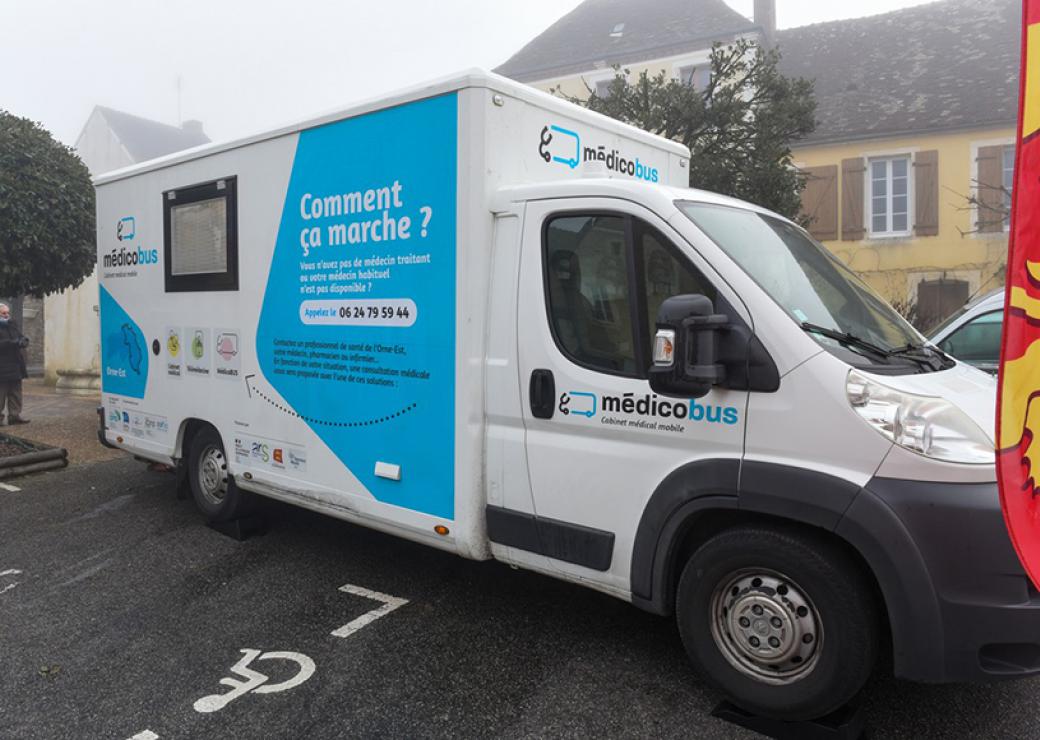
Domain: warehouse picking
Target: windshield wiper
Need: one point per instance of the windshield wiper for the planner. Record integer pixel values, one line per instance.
(922, 354)
(927, 354)
(845, 338)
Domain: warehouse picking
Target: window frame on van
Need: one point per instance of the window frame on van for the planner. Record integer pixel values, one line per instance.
(226, 280)
(635, 277)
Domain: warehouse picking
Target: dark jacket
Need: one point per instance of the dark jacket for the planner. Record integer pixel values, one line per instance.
(12, 359)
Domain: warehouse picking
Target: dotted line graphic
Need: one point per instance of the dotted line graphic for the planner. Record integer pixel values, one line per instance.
(325, 423)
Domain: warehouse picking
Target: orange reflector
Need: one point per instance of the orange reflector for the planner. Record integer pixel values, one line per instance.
(441, 529)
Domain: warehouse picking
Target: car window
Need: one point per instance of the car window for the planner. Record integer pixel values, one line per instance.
(665, 276)
(606, 278)
(978, 341)
(587, 276)
(801, 275)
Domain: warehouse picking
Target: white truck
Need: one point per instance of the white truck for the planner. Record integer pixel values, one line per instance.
(481, 318)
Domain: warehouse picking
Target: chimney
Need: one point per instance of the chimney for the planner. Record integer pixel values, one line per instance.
(194, 128)
(765, 16)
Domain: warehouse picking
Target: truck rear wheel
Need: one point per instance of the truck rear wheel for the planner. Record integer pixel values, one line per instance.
(783, 623)
(212, 487)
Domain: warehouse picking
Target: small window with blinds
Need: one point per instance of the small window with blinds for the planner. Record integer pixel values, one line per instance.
(201, 237)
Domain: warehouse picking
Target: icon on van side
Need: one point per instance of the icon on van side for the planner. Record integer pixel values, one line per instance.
(126, 229)
(548, 156)
(585, 404)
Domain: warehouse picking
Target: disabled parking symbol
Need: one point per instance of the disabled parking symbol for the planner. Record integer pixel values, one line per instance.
(252, 681)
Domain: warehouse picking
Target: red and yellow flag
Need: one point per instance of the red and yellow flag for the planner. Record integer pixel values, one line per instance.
(1018, 418)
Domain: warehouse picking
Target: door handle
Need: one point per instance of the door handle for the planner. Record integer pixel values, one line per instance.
(543, 394)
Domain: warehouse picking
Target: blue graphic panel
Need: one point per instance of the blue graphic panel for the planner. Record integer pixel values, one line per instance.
(124, 350)
(357, 328)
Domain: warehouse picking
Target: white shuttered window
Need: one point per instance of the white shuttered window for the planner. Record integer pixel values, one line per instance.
(888, 196)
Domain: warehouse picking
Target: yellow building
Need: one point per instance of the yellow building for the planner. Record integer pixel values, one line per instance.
(909, 167)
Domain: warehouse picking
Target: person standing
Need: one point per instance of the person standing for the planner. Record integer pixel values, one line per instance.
(12, 367)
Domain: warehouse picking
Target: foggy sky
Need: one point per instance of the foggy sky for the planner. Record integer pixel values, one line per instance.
(247, 65)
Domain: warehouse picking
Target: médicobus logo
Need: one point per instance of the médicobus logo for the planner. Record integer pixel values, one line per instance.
(126, 230)
(130, 258)
(563, 146)
(578, 403)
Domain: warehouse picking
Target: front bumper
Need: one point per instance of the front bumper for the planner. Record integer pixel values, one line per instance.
(960, 605)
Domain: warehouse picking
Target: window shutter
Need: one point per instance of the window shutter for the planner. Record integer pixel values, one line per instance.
(989, 189)
(820, 201)
(926, 189)
(938, 299)
(852, 199)
(852, 228)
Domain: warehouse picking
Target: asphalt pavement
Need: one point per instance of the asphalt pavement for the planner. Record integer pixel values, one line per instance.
(123, 615)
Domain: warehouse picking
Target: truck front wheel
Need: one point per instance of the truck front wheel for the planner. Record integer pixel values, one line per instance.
(785, 624)
(212, 486)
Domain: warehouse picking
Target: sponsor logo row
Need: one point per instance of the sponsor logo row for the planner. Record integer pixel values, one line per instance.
(136, 423)
(259, 452)
(202, 352)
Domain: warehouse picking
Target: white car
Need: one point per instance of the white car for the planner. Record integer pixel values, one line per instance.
(972, 335)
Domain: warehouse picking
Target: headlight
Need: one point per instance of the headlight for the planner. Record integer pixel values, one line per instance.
(927, 425)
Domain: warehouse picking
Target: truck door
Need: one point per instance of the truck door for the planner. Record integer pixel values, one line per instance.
(593, 273)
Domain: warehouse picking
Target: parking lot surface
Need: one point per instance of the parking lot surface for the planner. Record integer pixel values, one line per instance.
(123, 615)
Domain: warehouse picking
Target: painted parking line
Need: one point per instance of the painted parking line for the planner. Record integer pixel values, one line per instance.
(389, 604)
(6, 575)
(8, 487)
(145, 735)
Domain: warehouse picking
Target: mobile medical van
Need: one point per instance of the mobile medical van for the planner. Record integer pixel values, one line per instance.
(481, 318)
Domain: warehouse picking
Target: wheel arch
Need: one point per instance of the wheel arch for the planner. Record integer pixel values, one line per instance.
(702, 498)
(186, 432)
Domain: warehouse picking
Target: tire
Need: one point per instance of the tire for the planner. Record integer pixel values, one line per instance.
(803, 600)
(214, 491)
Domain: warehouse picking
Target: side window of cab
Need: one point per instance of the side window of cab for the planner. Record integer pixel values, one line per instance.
(606, 276)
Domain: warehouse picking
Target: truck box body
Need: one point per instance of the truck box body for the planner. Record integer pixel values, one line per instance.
(319, 294)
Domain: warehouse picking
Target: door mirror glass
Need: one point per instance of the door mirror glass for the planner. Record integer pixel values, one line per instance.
(686, 347)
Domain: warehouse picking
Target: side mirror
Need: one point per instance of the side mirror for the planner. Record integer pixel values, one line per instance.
(686, 347)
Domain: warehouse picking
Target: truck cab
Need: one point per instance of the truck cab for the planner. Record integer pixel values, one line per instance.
(694, 406)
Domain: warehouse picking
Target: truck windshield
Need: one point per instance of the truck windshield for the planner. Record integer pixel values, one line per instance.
(824, 296)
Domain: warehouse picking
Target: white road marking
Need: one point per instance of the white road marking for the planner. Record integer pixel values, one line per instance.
(254, 680)
(145, 735)
(9, 572)
(9, 487)
(389, 604)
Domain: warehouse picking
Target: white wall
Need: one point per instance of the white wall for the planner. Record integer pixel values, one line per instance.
(72, 338)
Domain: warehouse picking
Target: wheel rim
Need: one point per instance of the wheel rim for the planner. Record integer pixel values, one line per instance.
(766, 626)
(212, 475)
